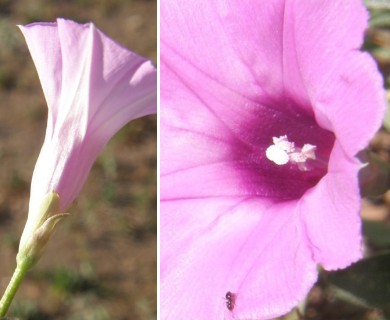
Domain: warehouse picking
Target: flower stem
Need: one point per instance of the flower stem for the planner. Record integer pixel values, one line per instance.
(20, 271)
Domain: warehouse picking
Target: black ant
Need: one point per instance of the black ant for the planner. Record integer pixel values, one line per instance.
(230, 300)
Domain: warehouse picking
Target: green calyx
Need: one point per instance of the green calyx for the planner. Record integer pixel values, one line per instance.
(38, 230)
(34, 238)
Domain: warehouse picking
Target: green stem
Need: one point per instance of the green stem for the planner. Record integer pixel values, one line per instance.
(9, 294)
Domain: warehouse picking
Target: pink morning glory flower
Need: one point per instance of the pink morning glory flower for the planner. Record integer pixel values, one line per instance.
(93, 87)
(264, 106)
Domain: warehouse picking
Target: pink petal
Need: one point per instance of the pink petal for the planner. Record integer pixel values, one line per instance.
(48, 63)
(254, 249)
(315, 66)
(322, 66)
(330, 214)
(236, 74)
(183, 125)
(354, 117)
(211, 128)
(93, 87)
(249, 66)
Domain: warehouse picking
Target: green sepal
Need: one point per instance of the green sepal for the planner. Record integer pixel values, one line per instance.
(36, 236)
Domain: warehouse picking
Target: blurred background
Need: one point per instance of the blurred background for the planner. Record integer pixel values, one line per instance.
(101, 262)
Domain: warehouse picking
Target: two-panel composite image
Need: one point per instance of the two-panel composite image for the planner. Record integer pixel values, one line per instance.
(194, 160)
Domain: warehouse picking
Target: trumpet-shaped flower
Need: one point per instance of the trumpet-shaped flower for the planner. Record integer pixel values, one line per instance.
(93, 87)
(264, 106)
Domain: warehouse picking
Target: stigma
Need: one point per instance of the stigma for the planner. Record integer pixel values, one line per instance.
(283, 151)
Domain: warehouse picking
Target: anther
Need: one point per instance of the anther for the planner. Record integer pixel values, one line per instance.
(283, 151)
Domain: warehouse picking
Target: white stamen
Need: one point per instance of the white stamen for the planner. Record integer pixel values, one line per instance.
(297, 157)
(284, 151)
(277, 155)
(309, 151)
(283, 143)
